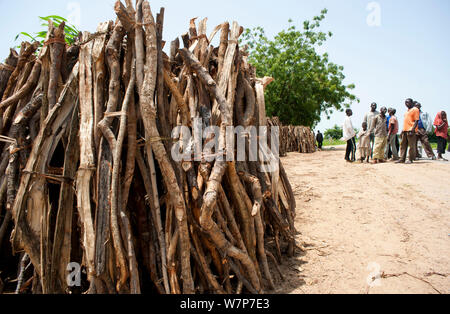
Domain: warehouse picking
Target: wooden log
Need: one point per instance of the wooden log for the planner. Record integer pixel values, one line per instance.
(61, 250)
(140, 52)
(7, 69)
(99, 74)
(87, 160)
(223, 45)
(225, 75)
(56, 41)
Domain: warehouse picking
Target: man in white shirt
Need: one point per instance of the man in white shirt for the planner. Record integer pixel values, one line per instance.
(368, 118)
(349, 137)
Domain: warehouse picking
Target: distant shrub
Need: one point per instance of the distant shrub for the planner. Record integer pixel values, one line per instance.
(335, 133)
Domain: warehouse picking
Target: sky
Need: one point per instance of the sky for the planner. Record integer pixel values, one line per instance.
(390, 49)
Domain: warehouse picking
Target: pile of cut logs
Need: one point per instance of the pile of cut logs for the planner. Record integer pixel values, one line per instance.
(91, 200)
(298, 139)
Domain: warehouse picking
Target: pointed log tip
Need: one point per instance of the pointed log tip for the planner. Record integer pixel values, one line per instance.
(117, 5)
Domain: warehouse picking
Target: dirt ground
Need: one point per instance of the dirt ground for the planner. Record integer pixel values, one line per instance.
(368, 228)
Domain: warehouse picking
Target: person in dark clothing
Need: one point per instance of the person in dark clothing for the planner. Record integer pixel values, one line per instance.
(319, 139)
(397, 142)
(441, 124)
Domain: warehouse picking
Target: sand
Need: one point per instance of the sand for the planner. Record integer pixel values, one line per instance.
(368, 228)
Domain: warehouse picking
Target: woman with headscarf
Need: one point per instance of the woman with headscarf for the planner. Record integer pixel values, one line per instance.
(441, 124)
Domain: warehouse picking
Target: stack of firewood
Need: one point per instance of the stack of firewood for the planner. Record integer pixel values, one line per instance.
(87, 175)
(298, 139)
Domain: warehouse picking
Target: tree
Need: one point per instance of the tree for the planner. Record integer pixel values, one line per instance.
(336, 133)
(306, 83)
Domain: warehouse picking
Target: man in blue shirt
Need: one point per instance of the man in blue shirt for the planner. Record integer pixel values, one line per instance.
(388, 118)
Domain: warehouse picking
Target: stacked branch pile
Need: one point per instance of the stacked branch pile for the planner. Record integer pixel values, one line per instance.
(297, 139)
(87, 175)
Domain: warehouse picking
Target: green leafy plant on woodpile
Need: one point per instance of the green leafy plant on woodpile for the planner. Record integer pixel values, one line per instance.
(71, 31)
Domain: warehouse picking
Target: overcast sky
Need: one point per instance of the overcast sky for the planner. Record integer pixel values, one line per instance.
(391, 49)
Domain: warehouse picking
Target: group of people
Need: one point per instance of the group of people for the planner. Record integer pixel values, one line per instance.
(378, 137)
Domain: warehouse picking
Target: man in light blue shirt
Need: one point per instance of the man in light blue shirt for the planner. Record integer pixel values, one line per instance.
(425, 125)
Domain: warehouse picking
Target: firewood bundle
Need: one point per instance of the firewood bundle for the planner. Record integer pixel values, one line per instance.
(87, 175)
(298, 139)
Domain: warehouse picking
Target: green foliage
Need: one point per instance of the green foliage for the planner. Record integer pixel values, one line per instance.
(71, 31)
(432, 136)
(333, 142)
(335, 133)
(306, 83)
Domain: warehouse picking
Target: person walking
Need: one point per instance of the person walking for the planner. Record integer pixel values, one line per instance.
(422, 134)
(392, 134)
(380, 132)
(441, 124)
(349, 137)
(368, 118)
(319, 139)
(409, 133)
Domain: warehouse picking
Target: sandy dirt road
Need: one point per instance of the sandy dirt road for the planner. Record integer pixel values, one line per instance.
(359, 221)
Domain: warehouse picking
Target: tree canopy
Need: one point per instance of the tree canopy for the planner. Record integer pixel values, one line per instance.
(336, 133)
(306, 83)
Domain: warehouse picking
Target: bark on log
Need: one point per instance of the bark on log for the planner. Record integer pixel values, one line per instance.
(7, 69)
(87, 160)
(56, 40)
